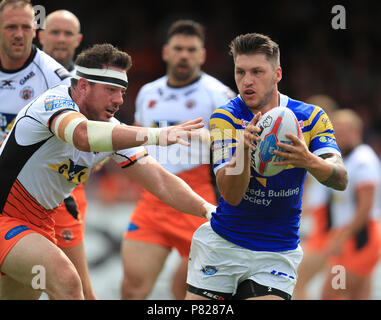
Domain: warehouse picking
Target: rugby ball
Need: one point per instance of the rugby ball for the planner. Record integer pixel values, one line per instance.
(274, 125)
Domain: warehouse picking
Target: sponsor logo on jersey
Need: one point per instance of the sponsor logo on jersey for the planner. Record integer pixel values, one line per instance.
(15, 231)
(325, 139)
(7, 84)
(72, 172)
(27, 77)
(55, 102)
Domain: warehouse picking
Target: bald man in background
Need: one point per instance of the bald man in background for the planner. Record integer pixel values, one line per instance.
(60, 38)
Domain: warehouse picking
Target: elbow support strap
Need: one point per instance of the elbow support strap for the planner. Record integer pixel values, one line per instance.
(99, 134)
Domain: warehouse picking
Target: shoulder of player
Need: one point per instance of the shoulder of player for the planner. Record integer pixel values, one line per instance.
(302, 110)
(230, 113)
(214, 85)
(211, 82)
(308, 115)
(50, 67)
(364, 153)
(363, 163)
(153, 85)
(53, 99)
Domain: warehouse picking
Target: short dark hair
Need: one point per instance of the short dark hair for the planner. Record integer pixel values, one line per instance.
(16, 3)
(186, 27)
(100, 56)
(252, 43)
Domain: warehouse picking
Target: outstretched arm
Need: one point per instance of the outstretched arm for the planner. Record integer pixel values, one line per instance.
(168, 188)
(86, 135)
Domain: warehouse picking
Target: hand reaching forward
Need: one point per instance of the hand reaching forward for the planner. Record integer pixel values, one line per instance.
(176, 134)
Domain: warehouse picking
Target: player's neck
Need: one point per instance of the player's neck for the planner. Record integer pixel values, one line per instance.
(12, 64)
(274, 102)
(176, 83)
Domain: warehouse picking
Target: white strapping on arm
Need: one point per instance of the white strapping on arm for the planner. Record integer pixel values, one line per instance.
(69, 130)
(58, 121)
(99, 134)
(210, 208)
(153, 136)
(70, 127)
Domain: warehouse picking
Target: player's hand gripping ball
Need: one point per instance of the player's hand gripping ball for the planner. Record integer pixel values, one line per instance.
(274, 125)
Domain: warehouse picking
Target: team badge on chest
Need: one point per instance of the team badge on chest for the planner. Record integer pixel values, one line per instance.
(27, 93)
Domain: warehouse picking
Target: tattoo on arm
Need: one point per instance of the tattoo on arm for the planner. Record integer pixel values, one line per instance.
(338, 179)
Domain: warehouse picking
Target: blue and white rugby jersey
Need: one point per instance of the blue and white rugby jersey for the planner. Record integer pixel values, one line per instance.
(268, 217)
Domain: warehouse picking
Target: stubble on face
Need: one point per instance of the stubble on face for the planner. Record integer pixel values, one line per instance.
(256, 79)
(16, 44)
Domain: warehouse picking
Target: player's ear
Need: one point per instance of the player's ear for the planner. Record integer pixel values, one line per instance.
(83, 85)
(79, 39)
(40, 36)
(34, 28)
(203, 56)
(278, 75)
(164, 53)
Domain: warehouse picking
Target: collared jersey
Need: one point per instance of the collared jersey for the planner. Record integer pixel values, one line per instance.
(46, 167)
(268, 217)
(160, 105)
(19, 87)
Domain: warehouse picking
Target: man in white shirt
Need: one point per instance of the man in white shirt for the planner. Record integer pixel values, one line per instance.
(55, 141)
(347, 236)
(60, 38)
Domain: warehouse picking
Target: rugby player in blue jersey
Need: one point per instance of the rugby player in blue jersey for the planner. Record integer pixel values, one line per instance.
(250, 248)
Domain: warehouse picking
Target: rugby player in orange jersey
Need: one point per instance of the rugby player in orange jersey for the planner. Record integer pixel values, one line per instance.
(60, 38)
(71, 130)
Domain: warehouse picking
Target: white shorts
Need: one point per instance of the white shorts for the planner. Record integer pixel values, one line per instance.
(219, 265)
